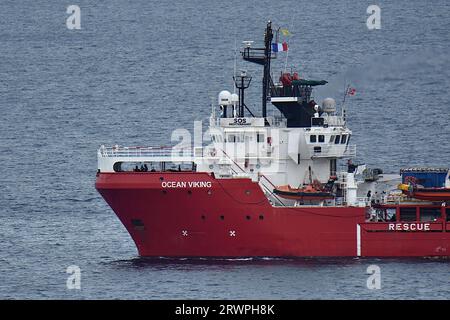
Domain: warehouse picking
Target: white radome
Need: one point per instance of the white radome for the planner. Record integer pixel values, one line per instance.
(329, 105)
(234, 99)
(224, 98)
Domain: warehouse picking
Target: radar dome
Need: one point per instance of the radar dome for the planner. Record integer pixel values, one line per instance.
(234, 98)
(329, 105)
(224, 98)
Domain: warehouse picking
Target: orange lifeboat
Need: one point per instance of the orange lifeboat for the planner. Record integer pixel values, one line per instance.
(308, 192)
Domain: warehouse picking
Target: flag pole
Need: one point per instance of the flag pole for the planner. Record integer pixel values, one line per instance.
(347, 87)
(287, 53)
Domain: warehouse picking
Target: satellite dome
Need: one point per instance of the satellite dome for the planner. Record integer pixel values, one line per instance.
(224, 98)
(329, 105)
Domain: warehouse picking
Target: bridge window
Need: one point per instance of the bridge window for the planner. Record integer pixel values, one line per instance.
(260, 137)
(337, 140)
(408, 214)
(231, 138)
(344, 139)
(321, 138)
(332, 139)
(312, 138)
(430, 214)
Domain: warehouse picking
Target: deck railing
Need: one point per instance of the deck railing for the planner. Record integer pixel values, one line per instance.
(333, 151)
(118, 151)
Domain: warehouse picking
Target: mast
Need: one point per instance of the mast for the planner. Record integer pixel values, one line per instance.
(262, 56)
(266, 77)
(242, 82)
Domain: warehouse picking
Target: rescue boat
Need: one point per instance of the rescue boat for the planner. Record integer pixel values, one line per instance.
(308, 192)
(421, 193)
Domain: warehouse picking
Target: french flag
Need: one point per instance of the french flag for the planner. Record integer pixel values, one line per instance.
(277, 47)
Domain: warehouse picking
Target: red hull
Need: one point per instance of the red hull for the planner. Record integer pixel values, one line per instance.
(233, 218)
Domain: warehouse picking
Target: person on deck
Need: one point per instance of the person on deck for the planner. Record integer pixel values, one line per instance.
(369, 195)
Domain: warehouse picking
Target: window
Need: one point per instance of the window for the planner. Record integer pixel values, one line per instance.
(317, 149)
(331, 139)
(312, 138)
(391, 214)
(430, 214)
(337, 140)
(231, 138)
(321, 138)
(447, 211)
(344, 139)
(137, 222)
(408, 214)
(260, 137)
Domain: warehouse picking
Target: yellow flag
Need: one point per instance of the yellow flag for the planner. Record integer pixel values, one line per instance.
(285, 32)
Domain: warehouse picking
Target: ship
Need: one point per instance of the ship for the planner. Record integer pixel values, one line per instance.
(279, 184)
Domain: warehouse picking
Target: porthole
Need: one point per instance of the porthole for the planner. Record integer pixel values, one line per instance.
(222, 217)
(189, 192)
(209, 192)
(261, 217)
(203, 217)
(247, 192)
(164, 191)
(161, 178)
(247, 217)
(137, 222)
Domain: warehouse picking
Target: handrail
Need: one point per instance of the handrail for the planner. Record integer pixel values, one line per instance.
(267, 179)
(270, 191)
(162, 151)
(333, 150)
(223, 151)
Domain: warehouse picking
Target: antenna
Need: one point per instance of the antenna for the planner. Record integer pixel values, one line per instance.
(235, 61)
(343, 100)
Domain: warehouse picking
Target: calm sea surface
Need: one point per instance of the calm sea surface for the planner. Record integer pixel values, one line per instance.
(137, 70)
